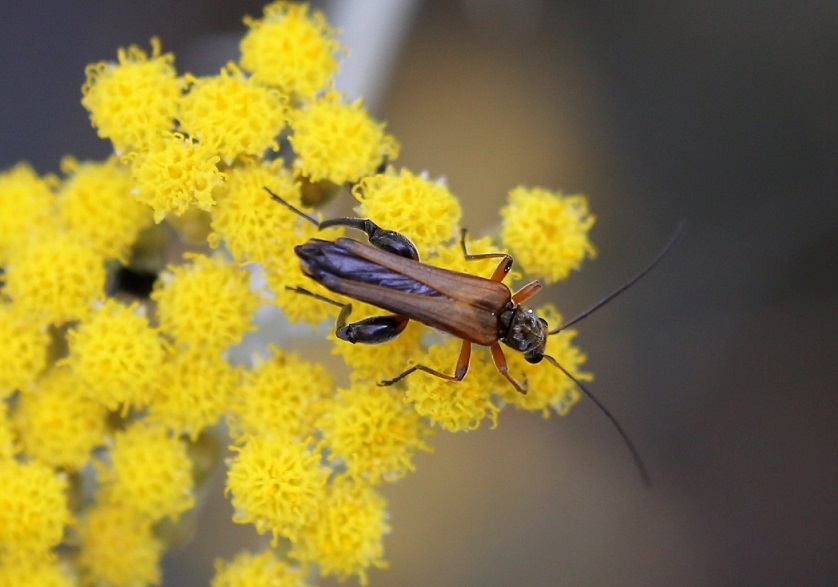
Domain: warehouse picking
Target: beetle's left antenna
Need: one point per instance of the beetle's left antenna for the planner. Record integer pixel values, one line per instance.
(658, 258)
(296, 211)
(641, 467)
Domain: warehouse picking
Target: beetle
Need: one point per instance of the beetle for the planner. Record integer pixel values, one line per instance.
(387, 273)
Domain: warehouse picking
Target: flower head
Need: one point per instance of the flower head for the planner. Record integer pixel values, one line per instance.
(265, 569)
(133, 101)
(547, 232)
(423, 209)
(58, 423)
(56, 278)
(117, 354)
(33, 507)
(345, 538)
(374, 433)
(118, 547)
(207, 303)
(290, 49)
(23, 354)
(233, 112)
(176, 174)
(282, 395)
(96, 206)
(276, 485)
(27, 206)
(39, 570)
(338, 142)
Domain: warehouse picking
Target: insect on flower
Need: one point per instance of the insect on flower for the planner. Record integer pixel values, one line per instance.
(387, 273)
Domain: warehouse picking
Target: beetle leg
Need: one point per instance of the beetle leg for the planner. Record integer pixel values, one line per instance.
(500, 362)
(459, 372)
(526, 292)
(387, 240)
(502, 269)
(372, 330)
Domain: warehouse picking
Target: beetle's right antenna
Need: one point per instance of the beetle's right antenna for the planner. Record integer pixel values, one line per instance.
(296, 211)
(664, 251)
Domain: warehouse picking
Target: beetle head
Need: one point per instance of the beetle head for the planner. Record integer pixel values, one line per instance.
(527, 333)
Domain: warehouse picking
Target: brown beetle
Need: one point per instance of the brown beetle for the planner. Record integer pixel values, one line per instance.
(387, 273)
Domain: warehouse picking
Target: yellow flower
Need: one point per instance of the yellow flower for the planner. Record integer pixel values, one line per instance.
(57, 423)
(207, 303)
(26, 207)
(283, 395)
(251, 224)
(117, 354)
(133, 101)
(118, 548)
(291, 49)
(346, 536)
(373, 433)
(41, 570)
(338, 142)
(423, 210)
(176, 175)
(96, 205)
(23, 354)
(548, 386)
(193, 391)
(547, 232)
(33, 507)
(233, 112)
(149, 472)
(276, 485)
(257, 570)
(453, 405)
(56, 278)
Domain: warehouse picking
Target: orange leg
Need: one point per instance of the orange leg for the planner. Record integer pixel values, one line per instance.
(502, 269)
(527, 291)
(459, 372)
(500, 362)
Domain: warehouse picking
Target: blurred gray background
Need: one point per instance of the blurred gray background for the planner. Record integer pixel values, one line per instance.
(721, 364)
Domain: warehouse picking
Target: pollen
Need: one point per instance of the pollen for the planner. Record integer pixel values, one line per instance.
(8, 442)
(281, 395)
(177, 175)
(194, 390)
(453, 405)
(23, 354)
(57, 423)
(131, 102)
(149, 472)
(33, 508)
(117, 354)
(415, 205)
(56, 278)
(257, 570)
(276, 485)
(547, 232)
(338, 142)
(96, 205)
(345, 539)
(248, 221)
(373, 433)
(207, 303)
(26, 207)
(291, 49)
(118, 548)
(233, 112)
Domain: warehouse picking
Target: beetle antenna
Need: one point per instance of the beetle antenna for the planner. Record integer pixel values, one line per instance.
(664, 251)
(296, 211)
(641, 467)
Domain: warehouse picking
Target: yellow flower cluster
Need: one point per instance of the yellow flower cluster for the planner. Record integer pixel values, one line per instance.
(110, 394)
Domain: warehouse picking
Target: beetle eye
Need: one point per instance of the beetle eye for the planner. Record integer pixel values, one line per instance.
(534, 357)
